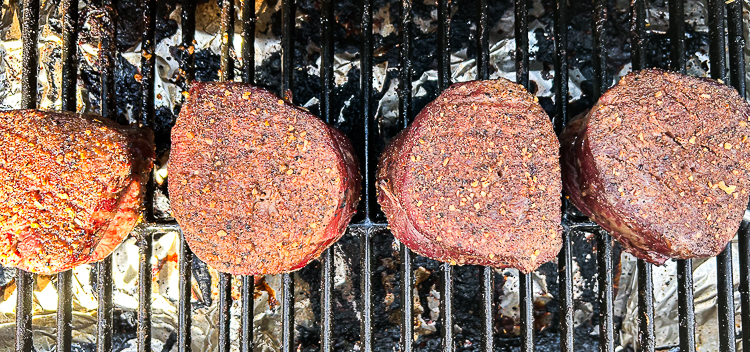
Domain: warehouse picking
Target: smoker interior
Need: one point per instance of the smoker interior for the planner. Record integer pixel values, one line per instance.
(594, 37)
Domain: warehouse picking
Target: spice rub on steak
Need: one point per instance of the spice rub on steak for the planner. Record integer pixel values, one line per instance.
(258, 185)
(476, 179)
(662, 162)
(72, 187)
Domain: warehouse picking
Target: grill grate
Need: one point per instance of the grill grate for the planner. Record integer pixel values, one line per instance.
(736, 75)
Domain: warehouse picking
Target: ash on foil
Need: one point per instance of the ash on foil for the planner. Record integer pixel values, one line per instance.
(386, 299)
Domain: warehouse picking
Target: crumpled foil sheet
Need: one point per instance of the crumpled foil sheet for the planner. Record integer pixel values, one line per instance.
(386, 300)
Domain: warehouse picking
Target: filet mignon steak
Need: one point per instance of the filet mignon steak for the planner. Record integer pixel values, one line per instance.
(661, 162)
(476, 179)
(258, 185)
(72, 187)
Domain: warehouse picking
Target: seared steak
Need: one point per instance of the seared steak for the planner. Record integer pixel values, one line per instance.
(71, 190)
(476, 179)
(661, 162)
(258, 185)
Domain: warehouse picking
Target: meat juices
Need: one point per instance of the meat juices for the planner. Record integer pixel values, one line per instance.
(476, 179)
(661, 162)
(72, 188)
(258, 185)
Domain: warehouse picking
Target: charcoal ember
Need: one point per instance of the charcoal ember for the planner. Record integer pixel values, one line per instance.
(478, 167)
(244, 162)
(207, 66)
(661, 163)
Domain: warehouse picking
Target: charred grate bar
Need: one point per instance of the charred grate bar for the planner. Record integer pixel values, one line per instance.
(718, 57)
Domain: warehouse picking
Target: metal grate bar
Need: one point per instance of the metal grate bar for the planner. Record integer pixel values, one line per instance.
(69, 9)
(225, 303)
(444, 47)
(326, 59)
(368, 173)
(677, 36)
(735, 28)
(248, 41)
(561, 66)
(183, 305)
(638, 34)
(565, 277)
(405, 74)
(405, 111)
(647, 341)
(248, 292)
(444, 80)
(226, 74)
(483, 41)
(735, 24)
(725, 299)
(107, 55)
(370, 158)
(145, 245)
(684, 267)
(564, 259)
(604, 240)
(488, 283)
(287, 312)
(744, 247)
(287, 79)
(601, 81)
(604, 280)
(104, 309)
(366, 288)
(724, 285)
(248, 76)
(185, 256)
(64, 311)
(527, 312)
(488, 308)
(522, 43)
(685, 305)
(522, 77)
(326, 301)
(227, 38)
(407, 294)
(326, 112)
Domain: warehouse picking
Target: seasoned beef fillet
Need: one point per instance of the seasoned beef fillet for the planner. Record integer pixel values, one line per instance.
(476, 179)
(71, 190)
(258, 185)
(662, 163)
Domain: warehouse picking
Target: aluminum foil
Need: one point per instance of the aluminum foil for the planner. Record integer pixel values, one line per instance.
(169, 88)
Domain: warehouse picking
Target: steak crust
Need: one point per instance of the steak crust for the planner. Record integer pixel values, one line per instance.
(258, 185)
(72, 187)
(476, 179)
(661, 162)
